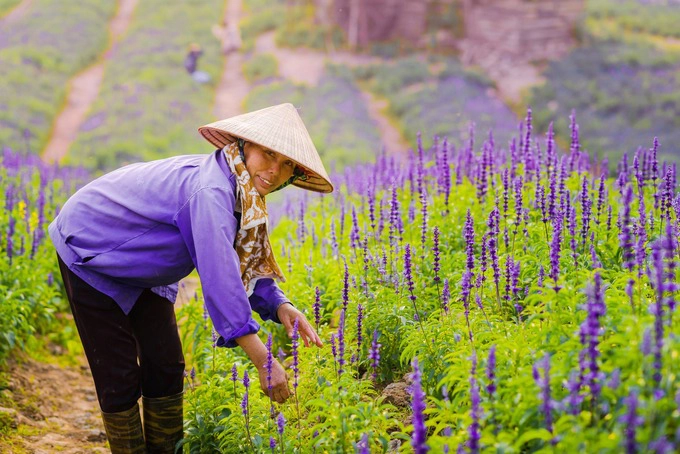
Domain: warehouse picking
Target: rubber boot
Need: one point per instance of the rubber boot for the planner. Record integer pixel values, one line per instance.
(124, 431)
(163, 423)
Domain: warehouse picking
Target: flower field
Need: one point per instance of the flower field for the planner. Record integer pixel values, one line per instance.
(33, 303)
(528, 298)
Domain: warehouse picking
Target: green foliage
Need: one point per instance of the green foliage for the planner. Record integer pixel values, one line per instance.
(333, 112)
(38, 55)
(149, 106)
(32, 300)
(524, 322)
(438, 96)
(638, 16)
(261, 66)
(620, 92)
(264, 16)
(299, 29)
(7, 5)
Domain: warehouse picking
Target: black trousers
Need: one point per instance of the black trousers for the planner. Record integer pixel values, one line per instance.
(129, 355)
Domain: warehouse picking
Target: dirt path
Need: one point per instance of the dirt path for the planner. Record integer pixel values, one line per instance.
(16, 13)
(83, 90)
(57, 410)
(233, 87)
(306, 66)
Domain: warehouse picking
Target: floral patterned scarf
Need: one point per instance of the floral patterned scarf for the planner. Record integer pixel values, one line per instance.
(252, 240)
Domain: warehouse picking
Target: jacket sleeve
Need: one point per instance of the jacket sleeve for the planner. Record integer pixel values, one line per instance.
(208, 227)
(266, 299)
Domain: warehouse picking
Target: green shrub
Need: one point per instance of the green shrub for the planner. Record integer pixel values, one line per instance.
(261, 66)
(148, 106)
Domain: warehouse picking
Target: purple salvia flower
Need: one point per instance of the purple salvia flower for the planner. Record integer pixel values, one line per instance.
(593, 255)
(614, 379)
(272, 444)
(296, 360)
(601, 196)
(363, 445)
(668, 195)
(270, 362)
(656, 308)
(408, 277)
(423, 212)
(519, 204)
(623, 172)
(543, 383)
(527, 146)
(662, 446)
(506, 188)
(345, 288)
(446, 296)
(234, 374)
(244, 405)
(481, 277)
(491, 372)
(371, 206)
(246, 380)
(374, 354)
(333, 347)
(475, 410)
(334, 240)
(631, 422)
(541, 203)
(469, 235)
(590, 331)
(550, 158)
(341, 343)
(317, 308)
(574, 398)
(301, 223)
(465, 295)
(419, 438)
(552, 194)
(394, 216)
(281, 426)
(646, 346)
(435, 254)
(541, 276)
(446, 174)
(360, 316)
(575, 146)
(586, 205)
(638, 174)
(354, 233)
(625, 237)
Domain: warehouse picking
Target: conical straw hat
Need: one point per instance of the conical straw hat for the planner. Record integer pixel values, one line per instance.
(278, 128)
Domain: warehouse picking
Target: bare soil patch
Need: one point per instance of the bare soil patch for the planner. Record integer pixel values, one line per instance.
(56, 410)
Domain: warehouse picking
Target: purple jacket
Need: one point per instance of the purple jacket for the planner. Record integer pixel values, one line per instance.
(148, 225)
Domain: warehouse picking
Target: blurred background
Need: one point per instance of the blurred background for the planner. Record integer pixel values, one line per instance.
(101, 83)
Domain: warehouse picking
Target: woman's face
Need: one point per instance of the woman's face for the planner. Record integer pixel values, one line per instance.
(268, 169)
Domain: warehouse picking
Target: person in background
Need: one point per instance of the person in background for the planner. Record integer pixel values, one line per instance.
(191, 64)
(191, 60)
(124, 241)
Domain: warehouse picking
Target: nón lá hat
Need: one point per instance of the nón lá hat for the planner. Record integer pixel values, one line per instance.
(278, 128)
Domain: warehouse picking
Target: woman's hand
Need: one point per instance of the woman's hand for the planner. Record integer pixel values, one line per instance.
(287, 314)
(279, 381)
(257, 352)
